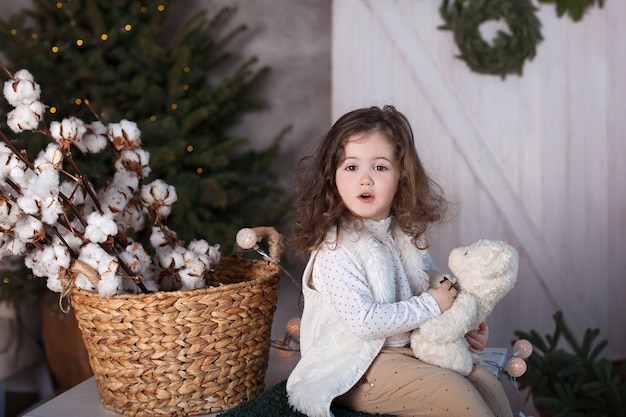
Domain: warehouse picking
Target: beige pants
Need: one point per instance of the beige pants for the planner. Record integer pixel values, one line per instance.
(398, 384)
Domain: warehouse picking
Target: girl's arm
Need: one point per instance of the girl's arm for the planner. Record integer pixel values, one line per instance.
(338, 278)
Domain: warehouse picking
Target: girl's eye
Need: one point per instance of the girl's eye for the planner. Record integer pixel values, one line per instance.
(380, 168)
(350, 168)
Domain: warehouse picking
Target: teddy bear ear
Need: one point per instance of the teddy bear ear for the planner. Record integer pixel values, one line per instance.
(456, 257)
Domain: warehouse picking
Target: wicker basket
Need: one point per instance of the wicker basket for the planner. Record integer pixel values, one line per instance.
(183, 352)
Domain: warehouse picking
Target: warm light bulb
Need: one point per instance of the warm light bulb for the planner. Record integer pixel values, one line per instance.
(293, 327)
(515, 367)
(246, 238)
(522, 348)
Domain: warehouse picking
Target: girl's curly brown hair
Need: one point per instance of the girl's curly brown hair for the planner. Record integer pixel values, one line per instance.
(418, 202)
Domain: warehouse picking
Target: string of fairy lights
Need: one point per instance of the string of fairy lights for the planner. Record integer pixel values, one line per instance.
(82, 42)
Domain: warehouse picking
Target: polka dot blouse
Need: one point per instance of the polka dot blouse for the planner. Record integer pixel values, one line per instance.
(338, 278)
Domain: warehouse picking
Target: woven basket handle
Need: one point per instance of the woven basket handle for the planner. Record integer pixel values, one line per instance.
(274, 240)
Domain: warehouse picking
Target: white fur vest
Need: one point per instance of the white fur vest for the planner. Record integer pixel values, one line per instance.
(333, 358)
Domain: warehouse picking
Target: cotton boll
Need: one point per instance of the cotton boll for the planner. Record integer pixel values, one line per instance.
(171, 258)
(36, 261)
(83, 282)
(15, 247)
(22, 118)
(61, 253)
(107, 264)
(51, 209)
(13, 167)
(188, 281)
(124, 135)
(158, 238)
(28, 228)
(158, 197)
(110, 283)
(131, 217)
(24, 74)
(214, 254)
(96, 257)
(50, 157)
(114, 199)
(210, 254)
(67, 131)
(28, 203)
(49, 261)
(9, 212)
(94, 140)
(192, 276)
(199, 246)
(134, 160)
(136, 258)
(22, 89)
(38, 109)
(45, 184)
(54, 284)
(5, 156)
(129, 180)
(100, 227)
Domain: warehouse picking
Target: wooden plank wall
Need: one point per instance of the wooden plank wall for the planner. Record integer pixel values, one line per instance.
(534, 160)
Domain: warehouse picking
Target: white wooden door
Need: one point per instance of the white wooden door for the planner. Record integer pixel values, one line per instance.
(535, 160)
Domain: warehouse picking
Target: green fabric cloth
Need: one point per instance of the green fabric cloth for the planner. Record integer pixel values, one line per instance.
(273, 403)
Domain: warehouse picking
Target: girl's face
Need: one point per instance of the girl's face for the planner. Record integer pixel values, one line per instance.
(367, 178)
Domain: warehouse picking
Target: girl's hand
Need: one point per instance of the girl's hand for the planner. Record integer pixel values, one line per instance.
(444, 295)
(477, 339)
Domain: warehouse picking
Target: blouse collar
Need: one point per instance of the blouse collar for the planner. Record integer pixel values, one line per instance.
(380, 229)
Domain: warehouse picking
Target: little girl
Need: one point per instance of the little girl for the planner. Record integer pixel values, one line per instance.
(364, 202)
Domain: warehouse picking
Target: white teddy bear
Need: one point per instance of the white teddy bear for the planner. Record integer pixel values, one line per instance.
(485, 272)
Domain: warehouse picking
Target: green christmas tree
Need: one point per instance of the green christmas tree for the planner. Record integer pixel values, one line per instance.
(570, 378)
(185, 90)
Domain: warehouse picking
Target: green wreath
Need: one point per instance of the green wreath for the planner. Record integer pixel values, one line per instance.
(574, 8)
(509, 51)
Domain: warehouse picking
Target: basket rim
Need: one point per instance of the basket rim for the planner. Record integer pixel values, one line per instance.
(187, 293)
